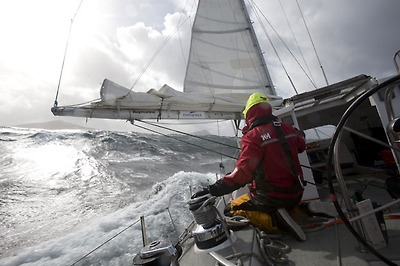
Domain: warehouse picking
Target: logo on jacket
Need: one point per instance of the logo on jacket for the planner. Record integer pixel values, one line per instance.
(265, 136)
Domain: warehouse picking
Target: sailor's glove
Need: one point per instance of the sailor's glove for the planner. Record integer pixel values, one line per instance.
(220, 188)
(201, 193)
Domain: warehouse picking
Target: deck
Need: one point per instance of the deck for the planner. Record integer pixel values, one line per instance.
(331, 245)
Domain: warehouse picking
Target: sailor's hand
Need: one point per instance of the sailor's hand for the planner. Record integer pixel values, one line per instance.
(220, 188)
(200, 193)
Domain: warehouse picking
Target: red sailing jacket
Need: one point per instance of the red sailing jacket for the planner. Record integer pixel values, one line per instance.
(261, 144)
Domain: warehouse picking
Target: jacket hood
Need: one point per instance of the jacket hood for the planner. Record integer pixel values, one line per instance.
(257, 111)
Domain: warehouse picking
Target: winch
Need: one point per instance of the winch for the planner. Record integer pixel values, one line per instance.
(209, 234)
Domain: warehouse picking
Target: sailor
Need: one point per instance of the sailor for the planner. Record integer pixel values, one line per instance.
(272, 169)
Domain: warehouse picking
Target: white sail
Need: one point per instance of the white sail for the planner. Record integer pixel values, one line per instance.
(225, 55)
(225, 66)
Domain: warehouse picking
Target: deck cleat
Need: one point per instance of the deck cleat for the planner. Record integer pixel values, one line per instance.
(159, 252)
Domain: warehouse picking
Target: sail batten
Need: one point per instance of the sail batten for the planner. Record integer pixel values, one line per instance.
(219, 86)
(220, 31)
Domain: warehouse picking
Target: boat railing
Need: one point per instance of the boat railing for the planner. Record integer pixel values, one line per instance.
(143, 230)
(397, 55)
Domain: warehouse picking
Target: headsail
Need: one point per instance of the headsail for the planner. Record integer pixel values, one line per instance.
(225, 66)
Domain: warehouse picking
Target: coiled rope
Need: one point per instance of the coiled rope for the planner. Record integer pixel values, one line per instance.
(273, 251)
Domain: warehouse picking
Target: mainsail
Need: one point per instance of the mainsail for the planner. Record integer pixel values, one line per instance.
(225, 66)
(225, 55)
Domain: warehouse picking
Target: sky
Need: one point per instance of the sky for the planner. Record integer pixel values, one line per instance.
(115, 39)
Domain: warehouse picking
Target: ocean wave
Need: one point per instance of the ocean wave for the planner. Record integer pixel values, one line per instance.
(64, 192)
(71, 247)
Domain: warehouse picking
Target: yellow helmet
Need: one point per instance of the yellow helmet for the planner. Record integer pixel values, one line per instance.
(254, 99)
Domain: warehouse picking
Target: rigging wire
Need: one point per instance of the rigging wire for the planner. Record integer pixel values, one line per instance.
(79, 104)
(187, 134)
(221, 144)
(312, 42)
(120, 232)
(220, 147)
(179, 36)
(65, 53)
(295, 40)
(194, 136)
(168, 136)
(273, 47)
(257, 10)
(263, 71)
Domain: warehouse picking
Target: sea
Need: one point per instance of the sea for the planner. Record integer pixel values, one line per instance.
(75, 197)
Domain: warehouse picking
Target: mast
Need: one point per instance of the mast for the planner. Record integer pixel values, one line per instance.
(271, 87)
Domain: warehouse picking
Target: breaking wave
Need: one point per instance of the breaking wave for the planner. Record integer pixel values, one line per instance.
(63, 193)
